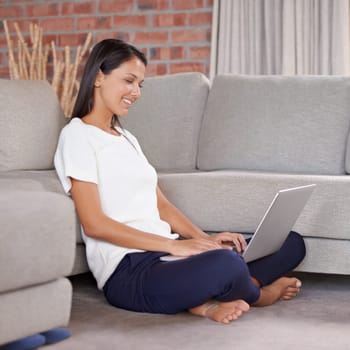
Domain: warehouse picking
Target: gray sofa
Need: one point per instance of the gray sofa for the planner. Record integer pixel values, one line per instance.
(221, 151)
(37, 222)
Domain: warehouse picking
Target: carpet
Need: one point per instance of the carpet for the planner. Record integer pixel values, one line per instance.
(318, 318)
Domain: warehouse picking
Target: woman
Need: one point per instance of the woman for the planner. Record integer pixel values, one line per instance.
(128, 224)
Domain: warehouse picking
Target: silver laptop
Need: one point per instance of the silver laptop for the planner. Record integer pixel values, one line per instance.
(275, 225)
(277, 222)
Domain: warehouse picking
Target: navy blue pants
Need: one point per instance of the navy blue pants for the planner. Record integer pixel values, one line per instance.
(144, 283)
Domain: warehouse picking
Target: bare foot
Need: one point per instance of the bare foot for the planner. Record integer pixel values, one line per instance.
(220, 311)
(285, 288)
(291, 291)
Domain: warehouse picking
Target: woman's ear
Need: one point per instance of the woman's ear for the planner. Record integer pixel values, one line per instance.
(98, 79)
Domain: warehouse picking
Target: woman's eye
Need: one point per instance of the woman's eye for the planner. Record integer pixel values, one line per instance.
(129, 81)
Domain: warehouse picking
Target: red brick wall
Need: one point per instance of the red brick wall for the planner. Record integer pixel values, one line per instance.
(174, 34)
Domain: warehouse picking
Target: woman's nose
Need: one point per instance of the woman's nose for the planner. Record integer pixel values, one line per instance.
(136, 91)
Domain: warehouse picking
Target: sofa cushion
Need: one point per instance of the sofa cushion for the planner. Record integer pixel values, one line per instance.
(37, 237)
(275, 123)
(30, 122)
(326, 256)
(37, 181)
(166, 120)
(237, 200)
(35, 309)
(31, 180)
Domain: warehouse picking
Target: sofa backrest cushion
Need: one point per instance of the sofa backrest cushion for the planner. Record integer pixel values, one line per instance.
(30, 122)
(166, 119)
(276, 123)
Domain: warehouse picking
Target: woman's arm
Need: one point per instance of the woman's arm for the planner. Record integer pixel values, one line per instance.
(183, 226)
(99, 226)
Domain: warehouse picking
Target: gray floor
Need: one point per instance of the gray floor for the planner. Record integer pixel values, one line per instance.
(319, 318)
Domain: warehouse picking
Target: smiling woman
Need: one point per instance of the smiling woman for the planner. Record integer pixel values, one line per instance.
(127, 223)
(118, 90)
(111, 82)
(114, 94)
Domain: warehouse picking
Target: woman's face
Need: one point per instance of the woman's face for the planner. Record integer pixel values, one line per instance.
(116, 92)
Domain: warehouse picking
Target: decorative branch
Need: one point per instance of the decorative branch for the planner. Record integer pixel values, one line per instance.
(32, 63)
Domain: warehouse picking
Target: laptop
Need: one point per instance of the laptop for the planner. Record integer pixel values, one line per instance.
(277, 222)
(275, 225)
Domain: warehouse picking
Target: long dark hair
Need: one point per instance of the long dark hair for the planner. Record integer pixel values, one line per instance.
(107, 55)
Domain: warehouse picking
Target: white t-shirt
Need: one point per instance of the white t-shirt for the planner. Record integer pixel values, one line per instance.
(126, 183)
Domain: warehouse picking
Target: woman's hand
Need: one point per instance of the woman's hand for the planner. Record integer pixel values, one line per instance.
(192, 246)
(228, 240)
